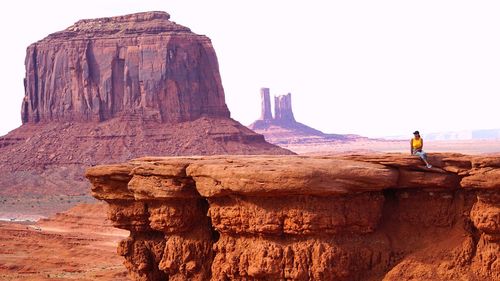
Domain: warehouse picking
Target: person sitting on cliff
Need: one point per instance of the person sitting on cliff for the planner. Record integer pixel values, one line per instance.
(416, 145)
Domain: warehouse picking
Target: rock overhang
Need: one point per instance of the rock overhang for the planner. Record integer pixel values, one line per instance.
(215, 176)
(345, 217)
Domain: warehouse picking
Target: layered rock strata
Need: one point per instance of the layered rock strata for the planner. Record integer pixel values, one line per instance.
(112, 89)
(139, 64)
(370, 217)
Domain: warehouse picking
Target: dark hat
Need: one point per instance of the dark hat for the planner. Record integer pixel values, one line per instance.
(416, 133)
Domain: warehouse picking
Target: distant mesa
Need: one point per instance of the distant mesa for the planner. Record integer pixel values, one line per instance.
(135, 66)
(283, 129)
(111, 89)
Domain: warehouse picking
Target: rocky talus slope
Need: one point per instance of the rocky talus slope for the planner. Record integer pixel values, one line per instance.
(354, 217)
(112, 89)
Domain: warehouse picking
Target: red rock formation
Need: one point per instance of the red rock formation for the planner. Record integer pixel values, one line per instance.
(283, 129)
(265, 105)
(283, 109)
(111, 89)
(140, 64)
(353, 217)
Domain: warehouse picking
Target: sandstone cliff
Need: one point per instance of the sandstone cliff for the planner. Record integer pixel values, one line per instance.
(111, 89)
(370, 217)
(140, 64)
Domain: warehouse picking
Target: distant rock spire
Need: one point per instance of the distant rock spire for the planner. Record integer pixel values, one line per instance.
(283, 108)
(283, 129)
(266, 105)
(283, 114)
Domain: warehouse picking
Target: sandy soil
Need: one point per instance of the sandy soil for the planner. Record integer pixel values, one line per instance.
(57, 250)
(32, 208)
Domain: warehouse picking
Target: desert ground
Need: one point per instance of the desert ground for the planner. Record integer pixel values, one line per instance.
(157, 91)
(80, 244)
(370, 146)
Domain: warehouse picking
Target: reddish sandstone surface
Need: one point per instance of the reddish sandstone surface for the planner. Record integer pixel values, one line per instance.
(135, 65)
(79, 244)
(108, 90)
(349, 217)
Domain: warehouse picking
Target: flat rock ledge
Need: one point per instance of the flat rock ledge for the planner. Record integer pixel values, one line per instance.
(348, 217)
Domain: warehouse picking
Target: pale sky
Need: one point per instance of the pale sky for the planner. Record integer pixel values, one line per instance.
(374, 68)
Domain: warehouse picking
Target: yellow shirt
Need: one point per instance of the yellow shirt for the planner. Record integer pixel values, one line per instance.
(416, 143)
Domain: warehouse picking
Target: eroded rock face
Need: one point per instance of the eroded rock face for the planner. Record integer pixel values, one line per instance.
(140, 64)
(354, 217)
(283, 109)
(265, 105)
(112, 89)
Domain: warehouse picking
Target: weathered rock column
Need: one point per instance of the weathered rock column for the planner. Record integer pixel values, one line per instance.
(265, 105)
(283, 108)
(170, 233)
(485, 215)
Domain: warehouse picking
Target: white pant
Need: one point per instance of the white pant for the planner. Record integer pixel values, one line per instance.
(421, 154)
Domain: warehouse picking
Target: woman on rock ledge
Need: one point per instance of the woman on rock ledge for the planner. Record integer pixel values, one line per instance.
(416, 145)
